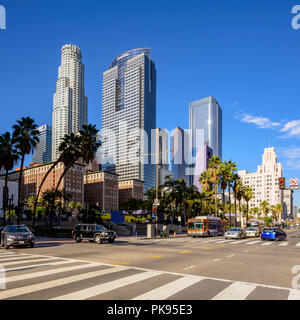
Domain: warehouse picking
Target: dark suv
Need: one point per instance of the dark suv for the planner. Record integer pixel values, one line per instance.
(94, 233)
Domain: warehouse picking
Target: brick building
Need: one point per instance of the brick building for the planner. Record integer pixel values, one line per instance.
(33, 176)
(131, 189)
(101, 189)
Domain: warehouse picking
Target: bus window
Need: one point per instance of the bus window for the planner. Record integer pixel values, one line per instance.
(196, 225)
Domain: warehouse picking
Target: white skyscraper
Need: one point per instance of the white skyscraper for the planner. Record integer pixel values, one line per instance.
(69, 102)
(265, 181)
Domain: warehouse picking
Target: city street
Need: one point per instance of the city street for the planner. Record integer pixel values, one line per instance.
(157, 269)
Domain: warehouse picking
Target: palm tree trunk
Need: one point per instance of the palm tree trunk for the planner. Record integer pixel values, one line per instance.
(223, 200)
(235, 218)
(5, 196)
(241, 215)
(19, 189)
(229, 196)
(40, 188)
(64, 173)
(247, 211)
(216, 200)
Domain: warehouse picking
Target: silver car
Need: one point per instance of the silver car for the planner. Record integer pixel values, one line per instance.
(16, 235)
(235, 233)
(252, 232)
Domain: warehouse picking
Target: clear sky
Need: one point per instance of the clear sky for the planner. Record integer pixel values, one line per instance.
(244, 53)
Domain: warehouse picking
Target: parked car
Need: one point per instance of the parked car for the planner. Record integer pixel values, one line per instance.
(15, 235)
(252, 232)
(235, 233)
(94, 233)
(273, 234)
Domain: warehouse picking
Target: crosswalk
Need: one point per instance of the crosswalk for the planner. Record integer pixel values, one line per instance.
(37, 277)
(218, 240)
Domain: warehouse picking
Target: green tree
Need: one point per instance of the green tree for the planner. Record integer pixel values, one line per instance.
(230, 168)
(265, 207)
(214, 164)
(248, 195)
(8, 158)
(25, 138)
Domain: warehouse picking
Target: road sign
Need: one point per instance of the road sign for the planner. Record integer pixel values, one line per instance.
(293, 182)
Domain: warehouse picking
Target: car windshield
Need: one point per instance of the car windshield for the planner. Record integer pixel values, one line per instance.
(100, 228)
(14, 229)
(251, 229)
(235, 229)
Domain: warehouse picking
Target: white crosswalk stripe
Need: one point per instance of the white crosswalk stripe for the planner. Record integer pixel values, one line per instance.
(108, 286)
(26, 261)
(84, 271)
(284, 244)
(253, 242)
(298, 244)
(55, 283)
(236, 291)
(267, 243)
(169, 289)
(239, 241)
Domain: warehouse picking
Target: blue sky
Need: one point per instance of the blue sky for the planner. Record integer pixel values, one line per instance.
(245, 53)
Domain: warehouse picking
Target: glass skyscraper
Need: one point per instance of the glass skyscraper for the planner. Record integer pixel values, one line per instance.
(129, 109)
(205, 127)
(42, 153)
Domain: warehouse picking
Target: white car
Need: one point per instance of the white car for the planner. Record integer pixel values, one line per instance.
(252, 232)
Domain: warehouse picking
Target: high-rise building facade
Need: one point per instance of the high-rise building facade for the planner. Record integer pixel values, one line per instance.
(205, 129)
(42, 153)
(287, 204)
(265, 181)
(70, 105)
(206, 125)
(129, 110)
(202, 158)
(180, 155)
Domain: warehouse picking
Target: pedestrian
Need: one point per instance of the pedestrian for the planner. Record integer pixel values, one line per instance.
(134, 230)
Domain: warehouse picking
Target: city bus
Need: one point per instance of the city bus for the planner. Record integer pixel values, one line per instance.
(255, 223)
(205, 227)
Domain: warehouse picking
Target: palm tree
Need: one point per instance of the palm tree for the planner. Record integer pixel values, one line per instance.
(31, 201)
(88, 146)
(239, 197)
(279, 209)
(69, 149)
(264, 206)
(230, 169)
(8, 159)
(214, 166)
(255, 211)
(170, 191)
(237, 180)
(223, 183)
(25, 138)
(248, 195)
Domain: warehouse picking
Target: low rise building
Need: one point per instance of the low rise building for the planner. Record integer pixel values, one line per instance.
(33, 176)
(101, 190)
(131, 189)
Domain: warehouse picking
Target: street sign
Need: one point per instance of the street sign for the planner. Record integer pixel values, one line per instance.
(293, 182)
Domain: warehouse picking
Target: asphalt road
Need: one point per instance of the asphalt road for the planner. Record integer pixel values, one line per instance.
(134, 268)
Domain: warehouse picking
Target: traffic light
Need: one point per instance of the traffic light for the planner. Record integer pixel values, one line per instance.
(282, 183)
(154, 210)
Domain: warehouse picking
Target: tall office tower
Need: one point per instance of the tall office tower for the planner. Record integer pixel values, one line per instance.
(287, 204)
(202, 158)
(265, 181)
(180, 155)
(42, 153)
(70, 105)
(205, 129)
(128, 110)
(162, 155)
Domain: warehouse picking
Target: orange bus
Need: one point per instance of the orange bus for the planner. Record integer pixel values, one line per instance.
(205, 227)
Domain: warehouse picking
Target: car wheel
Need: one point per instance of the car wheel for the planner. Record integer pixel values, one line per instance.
(31, 245)
(208, 234)
(97, 239)
(6, 246)
(77, 238)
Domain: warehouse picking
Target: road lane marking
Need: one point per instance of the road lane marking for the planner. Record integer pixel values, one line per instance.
(217, 259)
(188, 268)
(49, 272)
(239, 241)
(55, 283)
(284, 244)
(214, 240)
(298, 244)
(185, 251)
(253, 242)
(267, 243)
(223, 241)
(108, 286)
(21, 257)
(236, 291)
(156, 257)
(232, 255)
(168, 290)
(27, 261)
(294, 295)
(120, 263)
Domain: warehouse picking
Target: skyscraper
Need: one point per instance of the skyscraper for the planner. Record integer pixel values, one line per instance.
(205, 129)
(129, 109)
(42, 153)
(206, 125)
(180, 155)
(70, 105)
(162, 154)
